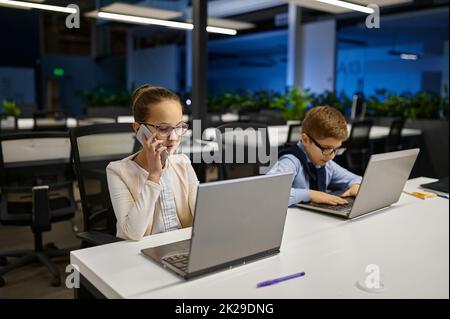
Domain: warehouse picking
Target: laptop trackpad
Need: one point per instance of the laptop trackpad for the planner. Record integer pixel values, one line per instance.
(176, 248)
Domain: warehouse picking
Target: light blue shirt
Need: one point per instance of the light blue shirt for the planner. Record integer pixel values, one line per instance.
(336, 175)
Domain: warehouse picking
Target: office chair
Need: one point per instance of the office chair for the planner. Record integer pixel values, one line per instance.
(240, 145)
(394, 139)
(269, 117)
(36, 181)
(244, 117)
(50, 121)
(294, 133)
(8, 122)
(358, 147)
(214, 119)
(94, 147)
(87, 120)
(359, 108)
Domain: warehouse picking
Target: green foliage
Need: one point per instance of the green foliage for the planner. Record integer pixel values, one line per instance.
(423, 105)
(102, 97)
(293, 104)
(245, 102)
(341, 102)
(223, 103)
(10, 108)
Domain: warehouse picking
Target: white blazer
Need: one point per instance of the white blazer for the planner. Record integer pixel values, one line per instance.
(135, 199)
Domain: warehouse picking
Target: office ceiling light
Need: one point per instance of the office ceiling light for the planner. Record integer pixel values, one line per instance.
(404, 55)
(348, 5)
(151, 21)
(142, 20)
(228, 24)
(159, 17)
(219, 30)
(339, 7)
(382, 2)
(141, 11)
(408, 56)
(32, 5)
(20, 8)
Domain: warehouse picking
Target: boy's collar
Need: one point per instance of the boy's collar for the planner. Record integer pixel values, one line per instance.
(302, 147)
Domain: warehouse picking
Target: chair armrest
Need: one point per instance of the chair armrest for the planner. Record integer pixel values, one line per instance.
(95, 173)
(97, 238)
(41, 209)
(28, 189)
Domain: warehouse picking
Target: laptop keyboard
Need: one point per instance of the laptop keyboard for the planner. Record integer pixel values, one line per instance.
(178, 261)
(338, 208)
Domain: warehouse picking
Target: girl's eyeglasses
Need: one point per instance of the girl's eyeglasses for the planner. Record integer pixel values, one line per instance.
(166, 130)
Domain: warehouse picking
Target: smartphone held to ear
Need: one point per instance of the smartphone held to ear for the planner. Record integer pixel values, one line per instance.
(144, 131)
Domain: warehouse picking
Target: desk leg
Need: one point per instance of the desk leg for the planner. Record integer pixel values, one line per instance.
(200, 171)
(87, 290)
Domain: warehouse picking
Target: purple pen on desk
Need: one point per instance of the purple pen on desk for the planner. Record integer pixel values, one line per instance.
(277, 280)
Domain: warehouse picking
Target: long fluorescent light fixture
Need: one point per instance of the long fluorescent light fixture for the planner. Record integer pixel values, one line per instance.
(32, 5)
(142, 20)
(165, 23)
(221, 30)
(348, 5)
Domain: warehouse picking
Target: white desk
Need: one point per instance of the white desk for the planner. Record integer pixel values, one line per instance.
(408, 241)
(278, 133)
(28, 123)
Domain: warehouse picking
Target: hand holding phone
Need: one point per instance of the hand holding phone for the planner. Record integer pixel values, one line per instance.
(155, 151)
(142, 134)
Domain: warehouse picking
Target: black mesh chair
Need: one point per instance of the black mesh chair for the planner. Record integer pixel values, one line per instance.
(394, 139)
(358, 146)
(241, 144)
(8, 122)
(269, 117)
(244, 117)
(87, 120)
(294, 133)
(214, 119)
(359, 107)
(94, 147)
(50, 121)
(37, 191)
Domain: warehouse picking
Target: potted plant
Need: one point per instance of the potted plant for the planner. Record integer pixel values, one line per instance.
(342, 102)
(10, 108)
(293, 104)
(107, 103)
(425, 111)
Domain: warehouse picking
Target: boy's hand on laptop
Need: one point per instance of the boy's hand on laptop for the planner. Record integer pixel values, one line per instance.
(327, 199)
(352, 191)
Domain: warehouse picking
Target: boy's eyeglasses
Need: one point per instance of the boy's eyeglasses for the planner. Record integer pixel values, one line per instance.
(329, 151)
(166, 130)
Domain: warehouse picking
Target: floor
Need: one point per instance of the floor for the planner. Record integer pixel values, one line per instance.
(33, 281)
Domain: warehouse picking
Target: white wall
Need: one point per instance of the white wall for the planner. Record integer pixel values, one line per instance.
(156, 66)
(318, 49)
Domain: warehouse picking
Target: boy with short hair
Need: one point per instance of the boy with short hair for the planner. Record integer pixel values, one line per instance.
(324, 129)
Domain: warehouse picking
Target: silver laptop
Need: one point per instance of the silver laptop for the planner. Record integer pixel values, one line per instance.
(235, 222)
(382, 185)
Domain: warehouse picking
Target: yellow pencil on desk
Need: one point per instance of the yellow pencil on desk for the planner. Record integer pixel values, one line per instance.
(421, 195)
